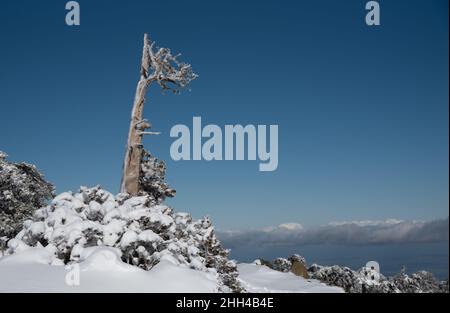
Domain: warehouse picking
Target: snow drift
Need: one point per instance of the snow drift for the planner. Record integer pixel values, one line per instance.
(37, 270)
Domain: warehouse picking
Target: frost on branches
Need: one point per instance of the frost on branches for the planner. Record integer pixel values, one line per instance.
(282, 265)
(151, 178)
(367, 280)
(158, 65)
(364, 280)
(419, 282)
(142, 232)
(23, 189)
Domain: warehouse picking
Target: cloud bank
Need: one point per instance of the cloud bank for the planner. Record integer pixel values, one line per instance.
(354, 232)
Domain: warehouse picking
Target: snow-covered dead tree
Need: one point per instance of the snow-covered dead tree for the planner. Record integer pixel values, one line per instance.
(159, 66)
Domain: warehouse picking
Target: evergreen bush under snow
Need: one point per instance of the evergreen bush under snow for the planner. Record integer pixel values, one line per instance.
(151, 178)
(23, 189)
(144, 232)
(364, 280)
(367, 280)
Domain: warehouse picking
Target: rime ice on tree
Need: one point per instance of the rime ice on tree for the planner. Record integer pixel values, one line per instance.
(151, 178)
(159, 66)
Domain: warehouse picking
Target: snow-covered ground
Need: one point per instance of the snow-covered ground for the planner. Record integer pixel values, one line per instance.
(102, 271)
(260, 278)
(35, 270)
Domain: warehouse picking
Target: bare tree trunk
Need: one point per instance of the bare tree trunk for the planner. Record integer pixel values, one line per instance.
(170, 74)
(133, 154)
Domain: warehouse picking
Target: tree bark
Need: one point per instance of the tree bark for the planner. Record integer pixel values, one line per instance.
(133, 154)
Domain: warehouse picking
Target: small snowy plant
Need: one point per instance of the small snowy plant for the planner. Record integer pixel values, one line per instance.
(420, 282)
(282, 265)
(144, 232)
(152, 176)
(351, 281)
(367, 280)
(23, 189)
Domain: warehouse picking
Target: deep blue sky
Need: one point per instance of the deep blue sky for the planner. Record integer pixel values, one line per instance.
(362, 111)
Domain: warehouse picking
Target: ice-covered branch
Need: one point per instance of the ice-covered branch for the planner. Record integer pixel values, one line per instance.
(149, 133)
(160, 66)
(166, 70)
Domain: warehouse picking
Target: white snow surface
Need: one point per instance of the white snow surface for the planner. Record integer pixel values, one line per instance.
(35, 269)
(259, 278)
(103, 271)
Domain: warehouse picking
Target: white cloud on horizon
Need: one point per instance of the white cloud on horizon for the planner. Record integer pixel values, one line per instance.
(352, 232)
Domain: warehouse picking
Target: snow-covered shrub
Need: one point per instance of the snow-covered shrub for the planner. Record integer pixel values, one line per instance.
(22, 190)
(151, 178)
(443, 286)
(282, 265)
(335, 275)
(420, 282)
(144, 233)
(367, 280)
(3, 245)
